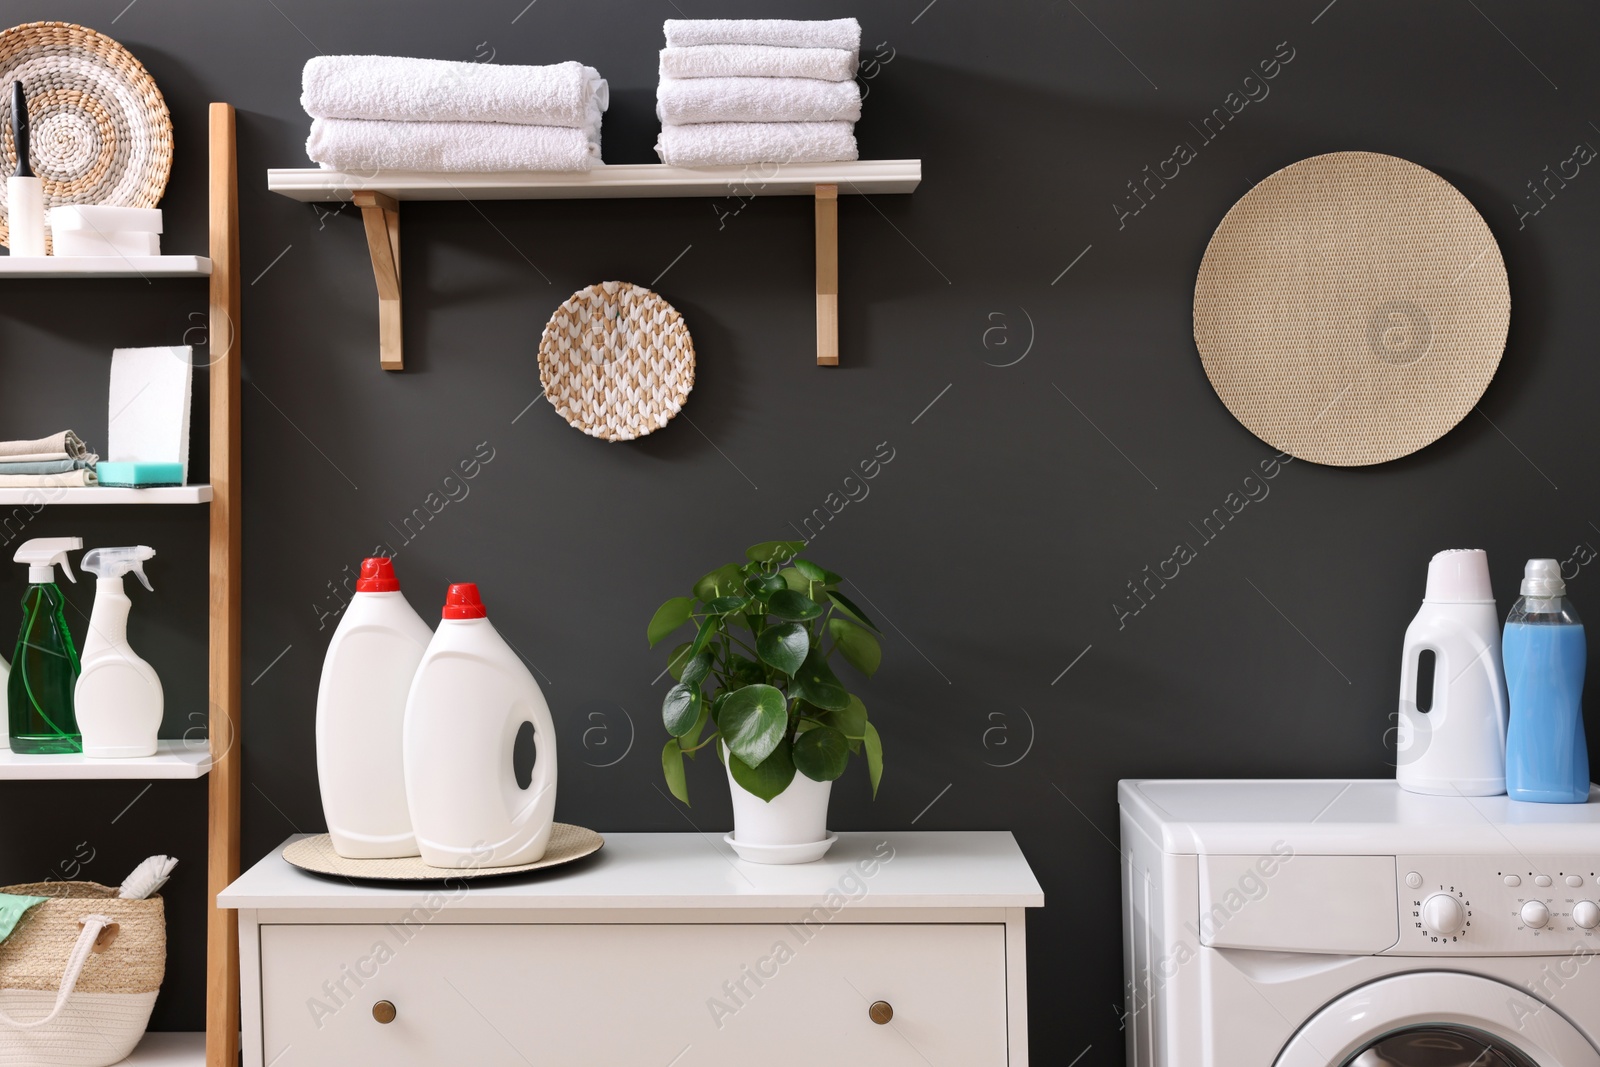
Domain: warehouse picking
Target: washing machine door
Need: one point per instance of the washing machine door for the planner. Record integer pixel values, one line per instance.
(1441, 1019)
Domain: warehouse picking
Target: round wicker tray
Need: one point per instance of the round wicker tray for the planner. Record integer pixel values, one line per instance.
(101, 130)
(568, 843)
(1351, 308)
(616, 361)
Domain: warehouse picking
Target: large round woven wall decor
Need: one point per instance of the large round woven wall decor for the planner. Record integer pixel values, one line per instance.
(101, 131)
(1351, 308)
(616, 361)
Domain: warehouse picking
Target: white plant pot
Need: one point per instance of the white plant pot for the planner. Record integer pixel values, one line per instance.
(790, 828)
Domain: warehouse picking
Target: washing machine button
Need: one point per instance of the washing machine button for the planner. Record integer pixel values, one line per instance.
(1512, 880)
(1535, 915)
(1541, 880)
(1586, 913)
(1414, 880)
(1574, 881)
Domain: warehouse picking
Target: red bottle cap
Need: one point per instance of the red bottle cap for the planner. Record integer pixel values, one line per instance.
(377, 576)
(463, 602)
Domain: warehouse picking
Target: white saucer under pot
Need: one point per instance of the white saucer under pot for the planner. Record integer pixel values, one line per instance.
(805, 852)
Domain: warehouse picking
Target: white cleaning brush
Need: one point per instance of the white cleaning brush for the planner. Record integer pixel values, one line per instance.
(148, 877)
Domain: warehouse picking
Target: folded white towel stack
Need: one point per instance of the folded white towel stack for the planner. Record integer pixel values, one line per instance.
(388, 113)
(738, 91)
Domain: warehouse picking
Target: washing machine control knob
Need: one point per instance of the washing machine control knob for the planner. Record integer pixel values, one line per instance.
(1586, 913)
(1443, 914)
(1535, 915)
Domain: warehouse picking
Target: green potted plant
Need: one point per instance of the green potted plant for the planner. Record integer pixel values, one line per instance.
(754, 683)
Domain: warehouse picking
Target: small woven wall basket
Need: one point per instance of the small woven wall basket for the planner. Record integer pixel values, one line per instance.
(101, 130)
(65, 1003)
(1351, 308)
(616, 361)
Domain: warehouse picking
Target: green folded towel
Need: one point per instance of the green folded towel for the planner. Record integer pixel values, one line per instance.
(12, 909)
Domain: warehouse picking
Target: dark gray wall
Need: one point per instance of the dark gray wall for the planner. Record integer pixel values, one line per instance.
(996, 541)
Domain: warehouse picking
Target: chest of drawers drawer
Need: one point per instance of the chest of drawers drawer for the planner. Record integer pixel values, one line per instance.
(692, 995)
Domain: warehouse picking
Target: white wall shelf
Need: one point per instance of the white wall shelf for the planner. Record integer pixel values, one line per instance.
(174, 760)
(105, 267)
(169, 1050)
(105, 494)
(622, 180)
(379, 195)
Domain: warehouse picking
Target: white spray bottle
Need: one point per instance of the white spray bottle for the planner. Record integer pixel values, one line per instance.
(118, 698)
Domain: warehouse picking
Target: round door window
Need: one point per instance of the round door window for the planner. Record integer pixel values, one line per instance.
(1438, 1046)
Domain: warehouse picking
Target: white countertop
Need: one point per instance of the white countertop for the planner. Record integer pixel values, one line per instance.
(1342, 817)
(942, 869)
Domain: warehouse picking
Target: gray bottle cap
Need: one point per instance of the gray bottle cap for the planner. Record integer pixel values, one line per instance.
(1542, 578)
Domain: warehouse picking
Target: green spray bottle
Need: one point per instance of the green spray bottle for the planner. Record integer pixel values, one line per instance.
(44, 668)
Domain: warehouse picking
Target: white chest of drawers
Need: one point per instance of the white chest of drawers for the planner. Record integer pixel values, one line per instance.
(664, 950)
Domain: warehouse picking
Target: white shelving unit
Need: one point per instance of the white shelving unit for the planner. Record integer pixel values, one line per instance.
(217, 759)
(105, 494)
(168, 1050)
(379, 195)
(174, 760)
(105, 266)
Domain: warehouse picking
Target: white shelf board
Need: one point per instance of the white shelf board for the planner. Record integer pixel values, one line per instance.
(105, 266)
(169, 1050)
(314, 185)
(105, 494)
(174, 759)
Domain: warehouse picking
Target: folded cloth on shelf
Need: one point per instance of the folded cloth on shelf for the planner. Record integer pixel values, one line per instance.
(682, 101)
(436, 90)
(712, 144)
(758, 61)
(789, 33)
(367, 144)
(63, 445)
(48, 466)
(66, 480)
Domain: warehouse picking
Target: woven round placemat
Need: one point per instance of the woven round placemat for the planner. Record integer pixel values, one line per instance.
(316, 854)
(101, 130)
(616, 361)
(1351, 308)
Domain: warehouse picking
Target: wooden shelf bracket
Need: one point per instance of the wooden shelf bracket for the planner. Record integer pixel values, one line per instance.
(827, 275)
(380, 215)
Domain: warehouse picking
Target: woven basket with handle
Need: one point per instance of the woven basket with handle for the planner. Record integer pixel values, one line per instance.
(79, 976)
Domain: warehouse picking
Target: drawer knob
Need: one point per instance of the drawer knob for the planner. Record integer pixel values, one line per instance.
(384, 1011)
(881, 1012)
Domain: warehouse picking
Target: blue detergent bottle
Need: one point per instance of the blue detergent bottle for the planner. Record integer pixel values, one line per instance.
(1547, 758)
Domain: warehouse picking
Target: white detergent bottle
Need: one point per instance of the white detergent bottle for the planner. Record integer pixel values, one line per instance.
(1453, 707)
(471, 697)
(361, 707)
(118, 696)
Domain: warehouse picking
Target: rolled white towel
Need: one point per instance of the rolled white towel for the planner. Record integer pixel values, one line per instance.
(435, 90)
(758, 61)
(788, 33)
(366, 146)
(682, 101)
(713, 144)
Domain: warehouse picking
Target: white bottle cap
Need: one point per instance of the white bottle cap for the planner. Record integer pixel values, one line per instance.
(1459, 576)
(1542, 578)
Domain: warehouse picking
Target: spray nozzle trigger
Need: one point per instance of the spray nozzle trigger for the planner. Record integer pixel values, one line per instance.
(116, 562)
(42, 553)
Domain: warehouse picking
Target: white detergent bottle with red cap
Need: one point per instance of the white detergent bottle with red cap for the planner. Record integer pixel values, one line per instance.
(470, 699)
(361, 706)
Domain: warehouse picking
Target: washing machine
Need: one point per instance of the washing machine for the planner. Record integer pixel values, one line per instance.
(1353, 924)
